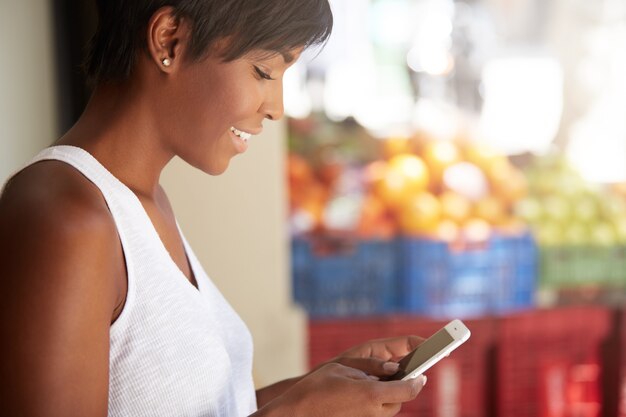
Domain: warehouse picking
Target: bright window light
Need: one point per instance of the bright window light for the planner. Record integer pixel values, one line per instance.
(523, 103)
(297, 99)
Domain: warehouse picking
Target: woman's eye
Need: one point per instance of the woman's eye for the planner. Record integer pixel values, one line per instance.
(262, 74)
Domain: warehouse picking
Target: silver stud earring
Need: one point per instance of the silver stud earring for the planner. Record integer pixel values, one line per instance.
(166, 62)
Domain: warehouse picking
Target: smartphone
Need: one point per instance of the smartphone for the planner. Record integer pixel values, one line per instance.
(432, 350)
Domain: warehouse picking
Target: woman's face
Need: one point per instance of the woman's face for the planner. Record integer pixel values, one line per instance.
(215, 107)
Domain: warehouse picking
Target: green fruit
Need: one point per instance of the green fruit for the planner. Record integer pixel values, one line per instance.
(529, 209)
(586, 209)
(557, 209)
(550, 234)
(613, 208)
(577, 234)
(603, 234)
(570, 185)
(619, 224)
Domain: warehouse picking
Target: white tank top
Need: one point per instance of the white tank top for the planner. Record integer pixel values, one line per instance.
(174, 350)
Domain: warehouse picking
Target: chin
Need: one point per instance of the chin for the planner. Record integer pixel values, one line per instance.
(215, 169)
(212, 166)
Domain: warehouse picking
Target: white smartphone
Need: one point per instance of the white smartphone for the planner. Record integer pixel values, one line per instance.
(432, 350)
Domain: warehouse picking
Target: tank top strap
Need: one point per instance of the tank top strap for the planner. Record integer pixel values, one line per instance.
(114, 191)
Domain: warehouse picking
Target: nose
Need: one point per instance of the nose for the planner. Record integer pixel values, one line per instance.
(273, 107)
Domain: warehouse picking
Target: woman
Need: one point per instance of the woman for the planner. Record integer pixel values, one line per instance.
(106, 310)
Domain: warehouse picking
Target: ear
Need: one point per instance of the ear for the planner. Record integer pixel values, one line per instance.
(167, 36)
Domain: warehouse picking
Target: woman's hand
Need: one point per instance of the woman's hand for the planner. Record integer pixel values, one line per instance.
(378, 357)
(338, 390)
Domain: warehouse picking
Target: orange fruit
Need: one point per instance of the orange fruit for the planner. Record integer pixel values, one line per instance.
(490, 209)
(329, 173)
(506, 181)
(375, 220)
(420, 214)
(455, 207)
(483, 156)
(396, 145)
(439, 155)
(382, 228)
(375, 172)
(447, 230)
(298, 169)
(405, 176)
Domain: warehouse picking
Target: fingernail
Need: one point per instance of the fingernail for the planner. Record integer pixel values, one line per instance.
(391, 367)
(424, 379)
(373, 377)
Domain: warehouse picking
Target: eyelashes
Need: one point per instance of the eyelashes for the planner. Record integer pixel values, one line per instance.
(262, 74)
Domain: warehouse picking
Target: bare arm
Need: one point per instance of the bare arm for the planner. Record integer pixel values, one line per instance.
(56, 298)
(267, 394)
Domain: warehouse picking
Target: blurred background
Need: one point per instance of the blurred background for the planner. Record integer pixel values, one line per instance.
(440, 159)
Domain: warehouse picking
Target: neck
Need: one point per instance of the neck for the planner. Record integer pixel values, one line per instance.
(119, 128)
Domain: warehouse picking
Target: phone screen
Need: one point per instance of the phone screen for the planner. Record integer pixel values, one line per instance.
(429, 348)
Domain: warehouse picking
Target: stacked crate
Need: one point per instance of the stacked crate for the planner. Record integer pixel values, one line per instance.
(342, 278)
(473, 279)
(345, 278)
(544, 363)
(583, 266)
(329, 338)
(549, 363)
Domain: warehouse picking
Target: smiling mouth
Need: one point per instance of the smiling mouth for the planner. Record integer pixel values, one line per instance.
(245, 136)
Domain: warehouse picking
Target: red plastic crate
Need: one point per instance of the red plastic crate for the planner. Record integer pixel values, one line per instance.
(457, 385)
(549, 362)
(328, 338)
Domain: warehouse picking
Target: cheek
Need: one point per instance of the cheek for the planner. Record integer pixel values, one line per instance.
(236, 99)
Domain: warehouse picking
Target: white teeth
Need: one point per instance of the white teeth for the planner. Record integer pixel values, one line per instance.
(243, 135)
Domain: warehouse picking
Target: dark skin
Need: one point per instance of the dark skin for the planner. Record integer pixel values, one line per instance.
(62, 270)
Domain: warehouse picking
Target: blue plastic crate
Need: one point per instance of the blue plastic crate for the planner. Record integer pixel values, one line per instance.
(516, 274)
(359, 279)
(439, 281)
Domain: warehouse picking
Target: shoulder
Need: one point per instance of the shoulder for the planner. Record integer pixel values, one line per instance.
(55, 221)
(55, 195)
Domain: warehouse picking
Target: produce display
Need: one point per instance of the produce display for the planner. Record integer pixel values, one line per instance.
(452, 209)
(564, 210)
(440, 189)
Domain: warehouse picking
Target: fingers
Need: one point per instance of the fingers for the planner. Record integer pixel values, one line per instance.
(393, 348)
(391, 392)
(371, 366)
(345, 371)
(401, 391)
(414, 341)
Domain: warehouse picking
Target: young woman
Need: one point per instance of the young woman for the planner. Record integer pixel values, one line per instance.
(105, 309)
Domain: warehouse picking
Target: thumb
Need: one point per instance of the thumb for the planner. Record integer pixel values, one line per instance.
(371, 366)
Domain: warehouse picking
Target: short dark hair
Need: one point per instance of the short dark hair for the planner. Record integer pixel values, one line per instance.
(272, 25)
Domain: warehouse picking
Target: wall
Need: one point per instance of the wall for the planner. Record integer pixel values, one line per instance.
(27, 92)
(236, 225)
